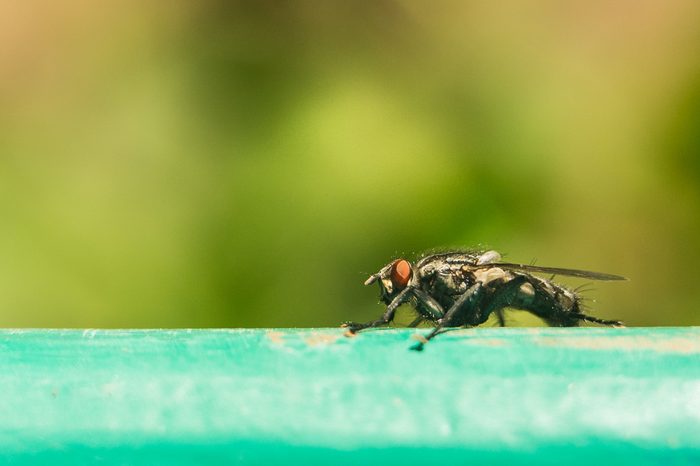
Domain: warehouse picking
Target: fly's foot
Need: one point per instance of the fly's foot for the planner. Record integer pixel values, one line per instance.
(421, 342)
(352, 328)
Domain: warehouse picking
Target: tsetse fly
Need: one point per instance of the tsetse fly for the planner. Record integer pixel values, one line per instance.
(461, 289)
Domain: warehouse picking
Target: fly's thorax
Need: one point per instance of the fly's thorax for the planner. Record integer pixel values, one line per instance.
(445, 281)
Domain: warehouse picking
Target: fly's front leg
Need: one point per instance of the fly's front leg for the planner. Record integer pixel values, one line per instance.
(401, 298)
(469, 301)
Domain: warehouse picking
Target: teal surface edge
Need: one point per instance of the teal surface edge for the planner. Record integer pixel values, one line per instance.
(312, 396)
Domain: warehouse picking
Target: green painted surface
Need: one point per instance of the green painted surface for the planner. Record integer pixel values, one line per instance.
(508, 396)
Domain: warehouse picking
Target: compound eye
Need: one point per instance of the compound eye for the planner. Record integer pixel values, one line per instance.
(400, 273)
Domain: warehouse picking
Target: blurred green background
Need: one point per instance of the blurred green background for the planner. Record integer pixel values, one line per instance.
(204, 163)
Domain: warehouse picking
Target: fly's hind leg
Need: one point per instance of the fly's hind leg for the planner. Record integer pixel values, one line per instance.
(416, 322)
(501, 317)
(587, 318)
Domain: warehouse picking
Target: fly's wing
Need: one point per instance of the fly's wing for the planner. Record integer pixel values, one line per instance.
(559, 271)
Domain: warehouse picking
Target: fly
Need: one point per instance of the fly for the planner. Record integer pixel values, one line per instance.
(462, 289)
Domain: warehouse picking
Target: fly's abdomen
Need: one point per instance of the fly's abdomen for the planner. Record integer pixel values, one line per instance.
(556, 305)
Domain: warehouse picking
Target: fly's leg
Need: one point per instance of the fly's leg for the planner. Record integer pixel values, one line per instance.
(501, 318)
(402, 297)
(587, 318)
(469, 300)
(471, 303)
(416, 322)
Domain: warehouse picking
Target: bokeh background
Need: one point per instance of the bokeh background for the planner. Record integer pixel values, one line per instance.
(204, 163)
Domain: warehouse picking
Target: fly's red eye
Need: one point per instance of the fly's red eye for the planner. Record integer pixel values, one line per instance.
(401, 273)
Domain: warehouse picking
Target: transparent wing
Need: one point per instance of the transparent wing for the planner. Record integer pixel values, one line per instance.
(558, 271)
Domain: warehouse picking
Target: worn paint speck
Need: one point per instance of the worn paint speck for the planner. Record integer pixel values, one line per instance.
(321, 339)
(490, 342)
(276, 337)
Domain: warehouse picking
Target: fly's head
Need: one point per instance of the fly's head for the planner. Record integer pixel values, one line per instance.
(392, 279)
